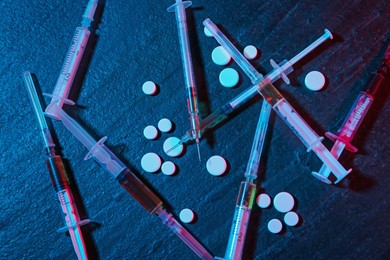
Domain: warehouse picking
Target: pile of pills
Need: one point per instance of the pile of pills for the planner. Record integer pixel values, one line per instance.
(284, 203)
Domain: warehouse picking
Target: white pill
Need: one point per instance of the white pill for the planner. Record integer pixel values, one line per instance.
(171, 142)
(220, 56)
(168, 168)
(250, 52)
(263, 200)
(315, 80)
(151, 162)
(149, 88)
(150, 132)
(291, 219)
(283, 202)
(216, 165)
(165, 125)
(207, 32)
(275, 226)
(229, 77)
(187, 216)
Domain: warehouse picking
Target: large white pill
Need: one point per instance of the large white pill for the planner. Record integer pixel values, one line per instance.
(151, 162)
(171, 142)
(220, 56)
(263, 200)
(275, 226)
(250, 52)
(216, 165)
(150, 132)
(187, 216)
(229, 77)
(149, 88)
(165, 125)
(291, 218)
(315, 80)
(168, 168)
(283, 202)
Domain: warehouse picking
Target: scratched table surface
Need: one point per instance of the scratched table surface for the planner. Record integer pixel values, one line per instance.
(137, 41)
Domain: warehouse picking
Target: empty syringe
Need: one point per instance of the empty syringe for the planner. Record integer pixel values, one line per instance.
(355, 117)
(58, 176)
(133, 185)
(72, 61)
(188, 70)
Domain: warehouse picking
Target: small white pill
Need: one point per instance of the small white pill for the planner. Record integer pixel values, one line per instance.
(283, 202)
(171, 142)
(207, 32)
(229, 77)
(263, 200)
(220, 56)
(168, 168)
(291, 219)
(315, 80)
(216, 165)
(150, 132)
(149, 88)
(187, 216)
(165, 125)
(250, 52)
(151, 162)
(275, 226)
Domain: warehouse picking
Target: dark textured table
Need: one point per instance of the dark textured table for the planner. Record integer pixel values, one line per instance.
(137, 41)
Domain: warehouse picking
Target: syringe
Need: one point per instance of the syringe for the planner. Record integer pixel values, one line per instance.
(188, 70)
(58, 176)
(265, 88)
(247, 191)
(280, 71)
(354, 118)
(140, 192)
(72, 61)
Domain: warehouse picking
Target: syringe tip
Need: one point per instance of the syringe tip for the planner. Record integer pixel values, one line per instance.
(197, 145)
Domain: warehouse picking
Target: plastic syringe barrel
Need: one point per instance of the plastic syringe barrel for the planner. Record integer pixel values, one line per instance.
(112, 164)
(301, 129)
(240, 222)
(69, 209)
(72, 62)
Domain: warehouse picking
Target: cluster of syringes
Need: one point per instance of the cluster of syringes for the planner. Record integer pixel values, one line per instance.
(262, 85)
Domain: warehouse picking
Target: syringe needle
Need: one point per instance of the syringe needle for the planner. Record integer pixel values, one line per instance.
(188, 70)
(59, 176)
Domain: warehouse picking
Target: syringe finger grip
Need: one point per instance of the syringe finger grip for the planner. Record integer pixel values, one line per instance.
(139, 191)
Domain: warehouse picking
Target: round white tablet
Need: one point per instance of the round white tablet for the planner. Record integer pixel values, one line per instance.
(150, 132)
(291, 218)
(263, 200)
(186, 216)
(250, 52)
(315, 80)
(220, 56)
(171, 142)
(275, 226)
(283, 202)
(207, 32)
(151, 162)
(229, 77)
(216, 165)
(149, 88)
(165, 125)
(168, 168)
